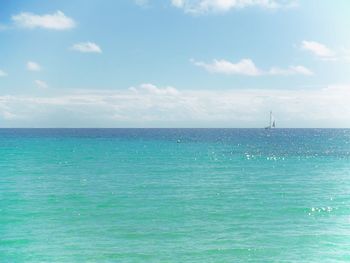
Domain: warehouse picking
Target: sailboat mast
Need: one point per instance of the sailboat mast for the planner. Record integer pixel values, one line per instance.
(270, 119)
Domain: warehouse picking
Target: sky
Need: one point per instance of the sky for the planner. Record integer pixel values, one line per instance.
(174, 63)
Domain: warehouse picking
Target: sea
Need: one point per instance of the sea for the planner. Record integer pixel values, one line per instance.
(174, 195)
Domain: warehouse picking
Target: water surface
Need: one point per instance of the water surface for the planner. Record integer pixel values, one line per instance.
(174, 195)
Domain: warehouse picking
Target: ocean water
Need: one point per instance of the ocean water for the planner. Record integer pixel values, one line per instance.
(174, 195)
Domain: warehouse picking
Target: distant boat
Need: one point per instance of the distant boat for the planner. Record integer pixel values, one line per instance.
(272, 124)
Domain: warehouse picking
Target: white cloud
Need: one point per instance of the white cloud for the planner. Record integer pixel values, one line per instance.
(178, 3)
(318, 49)
(3, 73)
(149, 88)
(300, 70)
(242, 67)
(205, 6)
(33, 66)
(292, 70)
(41, 84)
(322, 52)
(87, 47)
(148, 106)
(247, 67)
(56, 21)
(142, 2)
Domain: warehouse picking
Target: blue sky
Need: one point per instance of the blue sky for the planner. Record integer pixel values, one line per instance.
(174, 63)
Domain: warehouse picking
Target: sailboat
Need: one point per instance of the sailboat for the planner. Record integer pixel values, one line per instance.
(272, 124)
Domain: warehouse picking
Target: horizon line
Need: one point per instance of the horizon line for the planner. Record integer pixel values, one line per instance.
(252, 128)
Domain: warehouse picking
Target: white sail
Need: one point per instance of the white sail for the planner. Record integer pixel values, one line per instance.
(272, 123)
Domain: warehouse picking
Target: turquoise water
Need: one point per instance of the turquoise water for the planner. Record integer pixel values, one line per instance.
(174, 195)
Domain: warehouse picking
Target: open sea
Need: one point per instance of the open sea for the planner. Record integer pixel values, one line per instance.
(174, 195)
